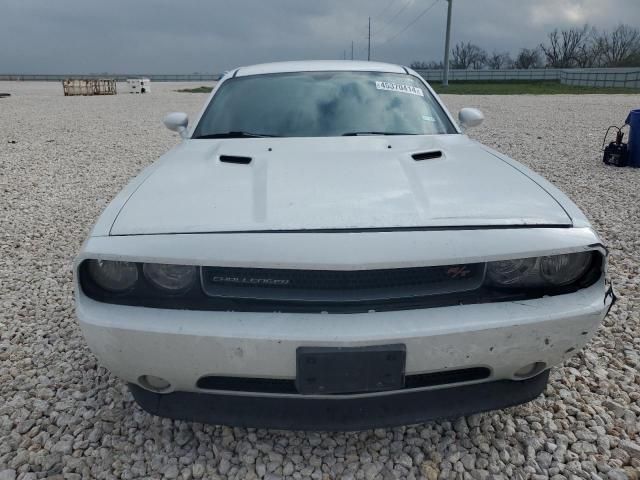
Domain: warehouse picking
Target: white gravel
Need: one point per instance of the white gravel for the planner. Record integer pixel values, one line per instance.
(64, 416)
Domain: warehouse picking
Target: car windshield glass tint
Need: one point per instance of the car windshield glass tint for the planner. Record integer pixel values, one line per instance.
(323, 104)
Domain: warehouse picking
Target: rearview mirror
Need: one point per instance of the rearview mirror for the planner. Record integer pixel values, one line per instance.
(470, 117)
(177, 122)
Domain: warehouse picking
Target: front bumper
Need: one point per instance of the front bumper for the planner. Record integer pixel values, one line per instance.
(183, 346)
(341, 414)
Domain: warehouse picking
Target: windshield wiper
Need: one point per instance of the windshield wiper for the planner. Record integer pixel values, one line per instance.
(355, 134)
(236, 134)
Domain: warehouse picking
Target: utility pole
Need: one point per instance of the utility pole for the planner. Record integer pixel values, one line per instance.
(369, 49)
(351, 49)
(344, 54)
(445, 76)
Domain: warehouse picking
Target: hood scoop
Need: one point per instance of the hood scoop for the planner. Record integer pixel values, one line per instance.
(431, 155)
(235, 159)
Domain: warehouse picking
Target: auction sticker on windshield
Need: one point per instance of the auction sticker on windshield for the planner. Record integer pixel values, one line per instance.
(398, 87)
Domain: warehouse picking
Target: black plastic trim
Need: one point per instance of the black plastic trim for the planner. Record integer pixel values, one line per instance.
(288, 386)
(235, 159)
(432, 155)
(359, 230)
(246, 384)
(143, 294)
(340, 413)
(336, 286)
(445, 377)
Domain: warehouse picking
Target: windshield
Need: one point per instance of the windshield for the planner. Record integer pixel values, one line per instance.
(322, 104)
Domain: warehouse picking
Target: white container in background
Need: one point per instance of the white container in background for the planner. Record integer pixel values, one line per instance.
(139, 85)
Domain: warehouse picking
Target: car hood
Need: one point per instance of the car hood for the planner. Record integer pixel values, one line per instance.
(334, 184)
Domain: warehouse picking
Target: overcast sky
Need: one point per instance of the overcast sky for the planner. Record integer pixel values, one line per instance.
(186, 36)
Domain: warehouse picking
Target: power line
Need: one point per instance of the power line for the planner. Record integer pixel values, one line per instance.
(385, 9)
(404, 7)
(411, 23)
(388, 25)
(366, 34)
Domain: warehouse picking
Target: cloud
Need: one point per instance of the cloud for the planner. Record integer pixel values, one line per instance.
(566, 11)
(168, 36)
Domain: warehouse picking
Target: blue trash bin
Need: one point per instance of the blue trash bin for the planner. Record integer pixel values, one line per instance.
(633, 120)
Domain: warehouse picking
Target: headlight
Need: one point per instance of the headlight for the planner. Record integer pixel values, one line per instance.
(172, 278)
(539, 272)
(113, 276)
(513, 273)
(564, 269)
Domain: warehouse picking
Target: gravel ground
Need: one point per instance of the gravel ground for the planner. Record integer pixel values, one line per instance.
(64, 416)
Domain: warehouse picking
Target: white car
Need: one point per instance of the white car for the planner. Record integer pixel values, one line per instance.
(326, 249)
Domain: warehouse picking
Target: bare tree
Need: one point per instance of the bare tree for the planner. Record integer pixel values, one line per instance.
(618, 48)
(418, 65)
(528, 58)
(432, 65)
(576, 47)
(468, 55)
(499, 60)
(632, 60)
(479, 60)
(589, 55)
(563, 48)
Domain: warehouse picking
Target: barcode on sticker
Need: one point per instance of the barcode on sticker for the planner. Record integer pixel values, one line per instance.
(398, 87)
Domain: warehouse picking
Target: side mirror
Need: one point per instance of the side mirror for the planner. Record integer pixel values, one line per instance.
(470, 117)
(177, 122)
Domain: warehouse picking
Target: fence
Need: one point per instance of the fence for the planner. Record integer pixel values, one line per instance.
(602, 78)
(594, 77)
(591, 77)
(492, 75)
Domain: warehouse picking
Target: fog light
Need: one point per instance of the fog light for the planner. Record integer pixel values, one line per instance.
(155, 384)
(530, 370)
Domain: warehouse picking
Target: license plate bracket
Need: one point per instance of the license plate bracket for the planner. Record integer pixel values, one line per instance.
(331, 370)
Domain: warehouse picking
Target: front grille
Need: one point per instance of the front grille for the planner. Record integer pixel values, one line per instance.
(288, 386)
(329, 291)
(340, 286)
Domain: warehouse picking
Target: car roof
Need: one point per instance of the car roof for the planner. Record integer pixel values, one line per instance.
(319, 66)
